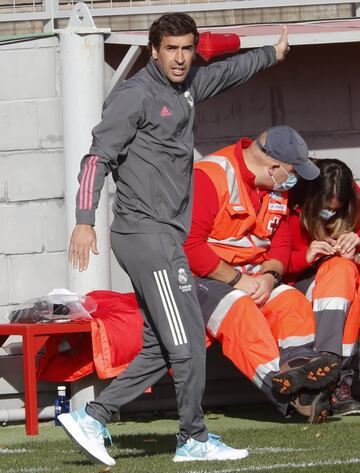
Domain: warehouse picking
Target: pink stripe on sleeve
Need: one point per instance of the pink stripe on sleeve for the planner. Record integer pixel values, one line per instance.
(85, 183)
(92, 179)
(82, 185)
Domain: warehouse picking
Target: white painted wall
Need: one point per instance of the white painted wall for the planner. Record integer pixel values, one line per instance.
(32, 177)
(32, 238)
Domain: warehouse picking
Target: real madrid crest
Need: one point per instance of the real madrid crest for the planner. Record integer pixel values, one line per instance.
(189, 99)
(183, 279)
(182, 276)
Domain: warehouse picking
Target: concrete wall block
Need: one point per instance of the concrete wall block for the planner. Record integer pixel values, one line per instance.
(49, 42)
(343, 146)
(12, 383)
(4, 309)
(111, 187)
(120, 281)
(55, 226)
(36, 275)
(2, 179)
(4, 282)
(28, 74)
(22, 228)
(18, 125)
(12, 375)
(34, 176)
(50, 124)
(355, 101)
(299, 102)
(247, 110)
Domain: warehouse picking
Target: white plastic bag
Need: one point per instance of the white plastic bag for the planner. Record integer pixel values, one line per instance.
(60, 305)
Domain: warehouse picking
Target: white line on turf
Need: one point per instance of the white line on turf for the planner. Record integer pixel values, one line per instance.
(3, 451)
(131, 451)
(277, 450)
(29, 470)
(314, 464)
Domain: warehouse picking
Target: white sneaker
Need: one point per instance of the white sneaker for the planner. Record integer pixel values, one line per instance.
(89, 434)
(213, 449)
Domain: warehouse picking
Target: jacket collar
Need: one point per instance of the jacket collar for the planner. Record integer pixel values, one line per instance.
(159, 76)
(247, 176)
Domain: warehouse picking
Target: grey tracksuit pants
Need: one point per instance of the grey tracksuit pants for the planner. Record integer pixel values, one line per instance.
(173, 333)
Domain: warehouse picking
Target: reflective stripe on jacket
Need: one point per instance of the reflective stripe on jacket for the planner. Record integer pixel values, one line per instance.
(240, 236)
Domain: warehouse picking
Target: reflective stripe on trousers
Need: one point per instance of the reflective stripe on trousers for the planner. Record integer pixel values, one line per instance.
(250, 336)
(336, 304)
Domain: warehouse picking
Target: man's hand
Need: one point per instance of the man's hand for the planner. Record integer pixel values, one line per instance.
(318, 249)
(83, 239)
(266, 285)
(282, 46)
(247, 284)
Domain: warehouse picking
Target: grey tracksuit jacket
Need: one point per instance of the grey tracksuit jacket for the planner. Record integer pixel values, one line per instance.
(146, 140)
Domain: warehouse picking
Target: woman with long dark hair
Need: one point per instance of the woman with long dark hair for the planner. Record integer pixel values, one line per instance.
(324, 261)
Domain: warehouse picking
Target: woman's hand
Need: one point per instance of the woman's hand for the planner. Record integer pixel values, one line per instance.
(347, 243)
(318, 249)
(349, 254)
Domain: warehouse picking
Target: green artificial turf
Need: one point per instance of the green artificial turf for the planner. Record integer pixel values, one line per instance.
(275, 446)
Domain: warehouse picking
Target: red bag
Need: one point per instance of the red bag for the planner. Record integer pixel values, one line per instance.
(115, 339)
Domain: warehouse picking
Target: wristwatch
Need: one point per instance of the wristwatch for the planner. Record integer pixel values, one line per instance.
(276, 276)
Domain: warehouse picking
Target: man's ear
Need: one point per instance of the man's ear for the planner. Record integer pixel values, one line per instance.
(272, 168)
(154, 53)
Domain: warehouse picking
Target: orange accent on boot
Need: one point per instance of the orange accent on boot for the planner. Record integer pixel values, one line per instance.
(285, 384)
(320, 372)
(311, 376)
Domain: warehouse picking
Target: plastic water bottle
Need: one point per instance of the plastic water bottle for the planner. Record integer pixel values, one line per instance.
(61, 403)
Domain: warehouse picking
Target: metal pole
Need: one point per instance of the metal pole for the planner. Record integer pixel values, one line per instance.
(82, 80)
(125, 66)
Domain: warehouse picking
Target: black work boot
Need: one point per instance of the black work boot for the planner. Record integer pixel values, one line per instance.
(315, 405)
(300, 373)
(342, 402)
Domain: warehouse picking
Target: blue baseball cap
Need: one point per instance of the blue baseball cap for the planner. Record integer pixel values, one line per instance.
(286, 145)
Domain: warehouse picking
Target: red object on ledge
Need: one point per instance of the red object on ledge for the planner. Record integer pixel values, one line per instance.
(216, 44)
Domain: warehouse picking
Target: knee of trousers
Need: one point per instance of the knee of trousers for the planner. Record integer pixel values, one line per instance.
(187, 352)
(242, 312)
(336, 277)
(290, 314)
(288, 299)
(339, 267)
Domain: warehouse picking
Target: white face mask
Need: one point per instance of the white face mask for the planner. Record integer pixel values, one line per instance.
(286, 185)
(326, 214)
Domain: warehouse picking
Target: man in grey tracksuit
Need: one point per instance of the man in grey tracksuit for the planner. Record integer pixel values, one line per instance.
(145, 139)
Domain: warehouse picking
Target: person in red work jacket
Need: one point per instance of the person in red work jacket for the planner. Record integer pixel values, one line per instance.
(238, 248)
(324, 263)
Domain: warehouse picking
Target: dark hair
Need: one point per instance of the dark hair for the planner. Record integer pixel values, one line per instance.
(335, 181)
(172, 24)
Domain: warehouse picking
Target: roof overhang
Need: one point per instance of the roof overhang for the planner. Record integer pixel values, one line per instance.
(320, 32)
